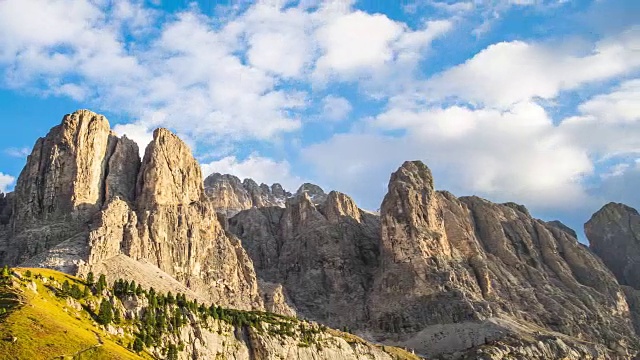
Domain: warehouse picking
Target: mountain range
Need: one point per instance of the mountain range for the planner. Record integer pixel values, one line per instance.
(446, 277)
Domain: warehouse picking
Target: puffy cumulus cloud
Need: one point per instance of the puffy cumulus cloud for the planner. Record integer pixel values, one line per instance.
(621, 105)
(608, 124)
(514, 155)
(279, 40)
(335, 108)
(359, 45)
(6, 181)
(233, 80)
(509, 72)
(261, 169)
(357, 40)
(44, 41)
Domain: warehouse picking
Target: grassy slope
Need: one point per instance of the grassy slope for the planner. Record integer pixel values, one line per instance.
(47, 328)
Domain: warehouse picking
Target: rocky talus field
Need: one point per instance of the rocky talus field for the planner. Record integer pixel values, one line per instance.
(224, 268)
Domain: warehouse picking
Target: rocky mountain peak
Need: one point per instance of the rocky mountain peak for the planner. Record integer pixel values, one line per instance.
(228, 195)
(339, 205)
(315, 192)
(66, 170)
(413, 174)
(412, 223)
(169, 174)
(614, 234)
(558, 224)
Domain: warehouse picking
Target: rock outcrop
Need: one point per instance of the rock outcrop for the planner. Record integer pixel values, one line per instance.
(171, 227)
(323, 255)
(85, 200)
(6, 208)
(441, 274)
(614, 234)
(463, 261)
(70, 174)
(228, 195)
(313, 191)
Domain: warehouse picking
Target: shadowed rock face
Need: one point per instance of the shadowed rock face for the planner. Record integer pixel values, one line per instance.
(614, 234)
(6, 205)
(323, 255)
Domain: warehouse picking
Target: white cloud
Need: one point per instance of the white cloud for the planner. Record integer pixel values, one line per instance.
(509, 72)
(622, 105)
(222, 85)
(357, 40)
(621, 185)
(260, 169)
(608, 124)
(335, 108)
(18, 152)
(6, 181)
(279, 41)
(511, 155)
(136, 132)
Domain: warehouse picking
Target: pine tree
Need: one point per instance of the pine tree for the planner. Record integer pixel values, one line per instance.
(86, 292)
(90, 278)
(172, 352)
(170, 299)
(27, 274)
(138, 345)
(75, 292)
(132, 288)
(139, 290)
(116, 316)
(105, 315)
(102, 283)
(66, 287)
(5, 271)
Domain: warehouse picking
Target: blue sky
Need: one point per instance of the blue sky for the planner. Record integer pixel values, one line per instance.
(532, 101)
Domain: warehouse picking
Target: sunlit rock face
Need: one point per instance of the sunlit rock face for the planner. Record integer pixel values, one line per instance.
(85, 199)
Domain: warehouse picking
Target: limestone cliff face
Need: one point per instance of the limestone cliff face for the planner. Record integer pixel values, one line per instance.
(171, 227)
(465, 261)
(228, 195)
(65, 174)
(6, 208)
(85, 202)
(441, 274)
(323, 255)
(169, 174)
(68, 177)
(614, 234)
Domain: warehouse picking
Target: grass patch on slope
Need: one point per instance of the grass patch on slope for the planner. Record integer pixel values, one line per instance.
(44, 326)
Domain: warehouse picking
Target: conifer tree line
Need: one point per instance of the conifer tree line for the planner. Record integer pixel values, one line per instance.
(166, 314)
